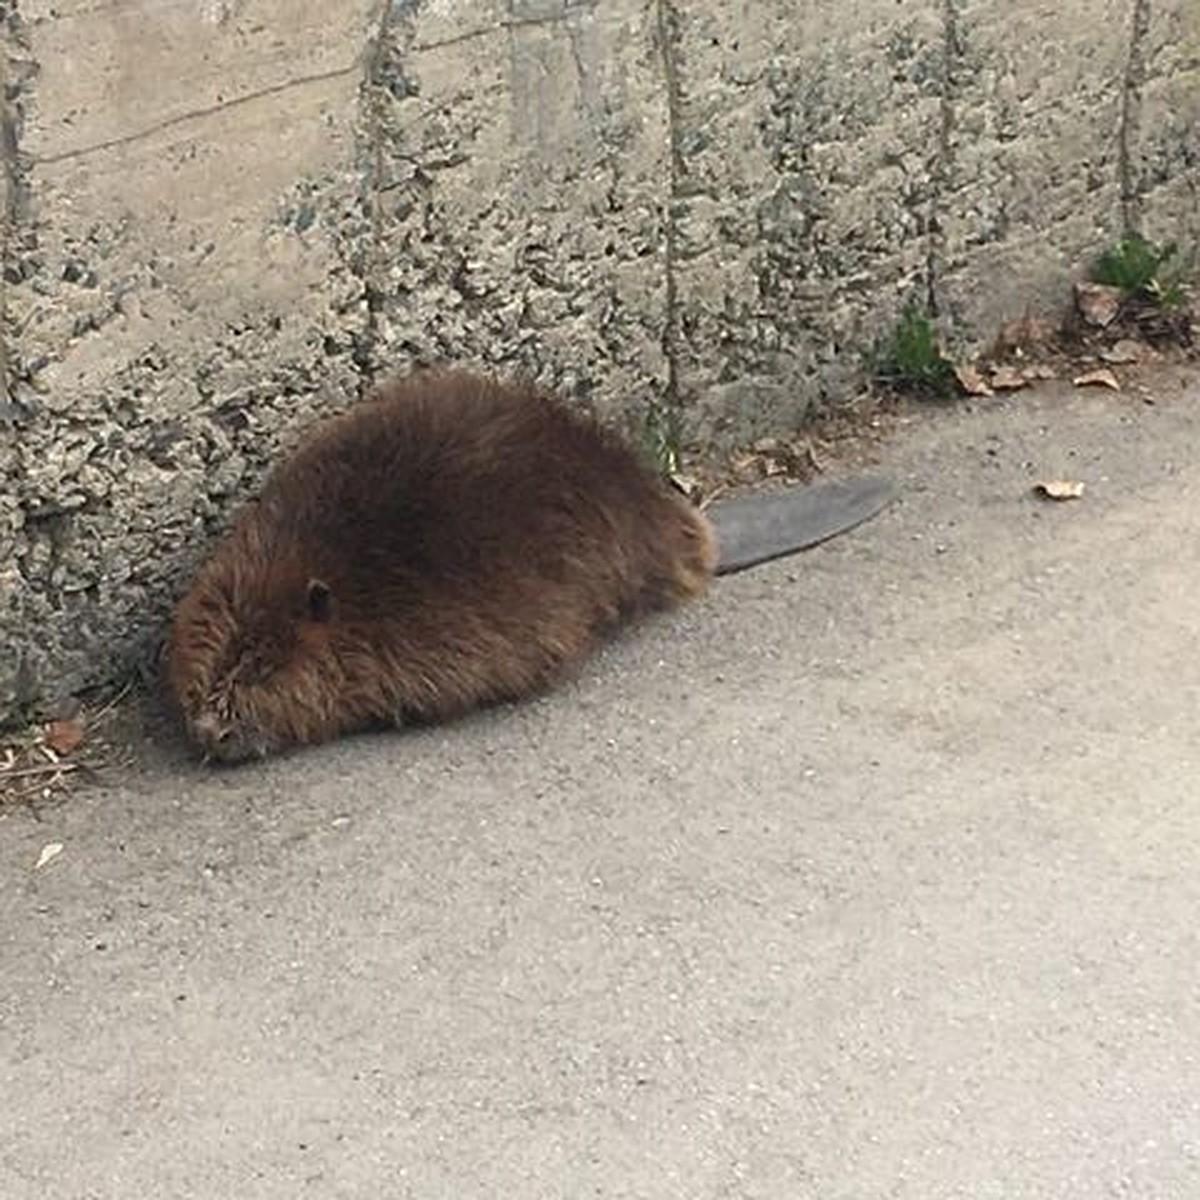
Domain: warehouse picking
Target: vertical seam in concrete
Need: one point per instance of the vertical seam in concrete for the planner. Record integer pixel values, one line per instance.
(8, 154)
(1131, 104)
(17, 69)
(373, 102)
(15, 172)
(943, 152)
(666, 21)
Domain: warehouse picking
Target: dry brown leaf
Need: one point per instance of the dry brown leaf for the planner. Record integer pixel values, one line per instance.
(971, 381)
(1008, 379)
(1100, 378)
(1060, 489)
(1027, 333)
(1124, 351)
(689, 485)
(50, 851)
(62, 737)
(1036, 371)
(1098, 303)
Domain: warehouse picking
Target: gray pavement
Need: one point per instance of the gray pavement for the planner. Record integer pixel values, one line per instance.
(875, 874)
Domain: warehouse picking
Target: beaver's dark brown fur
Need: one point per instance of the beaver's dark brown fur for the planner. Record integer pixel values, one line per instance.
(452, 542)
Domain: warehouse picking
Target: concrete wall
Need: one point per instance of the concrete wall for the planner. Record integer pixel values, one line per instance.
(222, 216)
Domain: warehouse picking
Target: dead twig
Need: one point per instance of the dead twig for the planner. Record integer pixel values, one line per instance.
(50, 768)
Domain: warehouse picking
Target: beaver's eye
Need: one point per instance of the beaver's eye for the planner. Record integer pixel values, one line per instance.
(320, 600)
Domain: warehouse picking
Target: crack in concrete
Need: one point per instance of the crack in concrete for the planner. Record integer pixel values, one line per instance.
(577, 60)
(667, 21)
(490, 30)
(15, 186)
(1131, 107)
(939, 182)
(197, 114)
(373, 93)
(15, 168)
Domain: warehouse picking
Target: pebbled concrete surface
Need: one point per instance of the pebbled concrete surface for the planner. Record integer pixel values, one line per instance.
(873, 875)
(220, 221)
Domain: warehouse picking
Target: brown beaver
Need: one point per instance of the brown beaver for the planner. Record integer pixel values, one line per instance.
(451, 542)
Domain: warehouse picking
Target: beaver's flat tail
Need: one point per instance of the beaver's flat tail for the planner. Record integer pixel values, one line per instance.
(763, 525)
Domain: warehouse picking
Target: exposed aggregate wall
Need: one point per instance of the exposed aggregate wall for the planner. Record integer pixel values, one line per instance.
(223, 217)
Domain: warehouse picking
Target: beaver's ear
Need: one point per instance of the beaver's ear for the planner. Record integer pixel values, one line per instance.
(320, 600)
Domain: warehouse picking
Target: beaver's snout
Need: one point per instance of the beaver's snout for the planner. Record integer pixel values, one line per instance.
(224, 741)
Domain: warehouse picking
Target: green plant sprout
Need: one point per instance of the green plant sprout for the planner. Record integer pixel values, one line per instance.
(1140, 267)
(910, 359)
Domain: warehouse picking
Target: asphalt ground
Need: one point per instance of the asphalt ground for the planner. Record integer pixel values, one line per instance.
(876, 873)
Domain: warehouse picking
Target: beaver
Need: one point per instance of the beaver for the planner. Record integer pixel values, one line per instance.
(450, 542)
